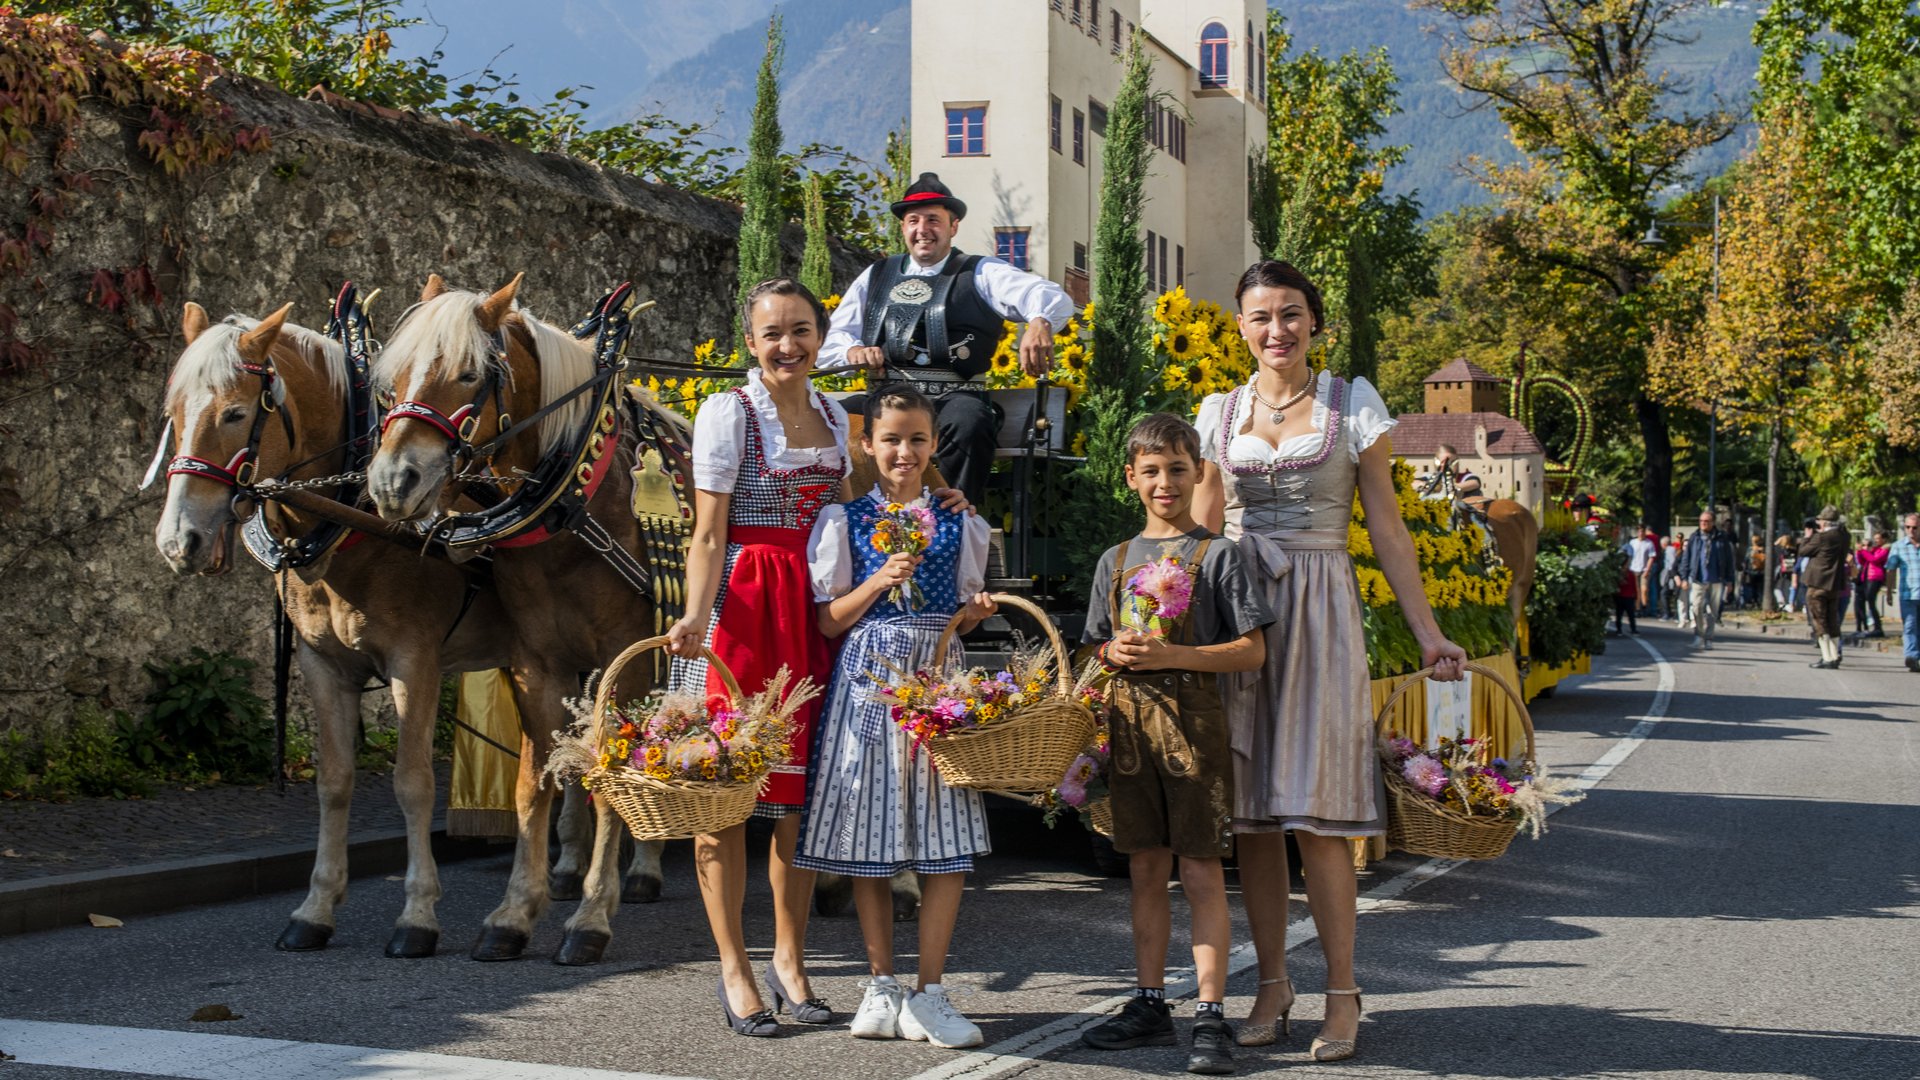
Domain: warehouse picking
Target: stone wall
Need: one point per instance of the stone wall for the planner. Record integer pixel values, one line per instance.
(84, 596)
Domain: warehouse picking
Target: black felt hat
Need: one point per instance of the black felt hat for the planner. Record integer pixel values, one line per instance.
(929, 191)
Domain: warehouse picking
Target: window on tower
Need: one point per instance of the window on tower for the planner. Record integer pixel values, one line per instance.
(1214, 55)
(1079, 137)
(1053, 124)
(966, 130)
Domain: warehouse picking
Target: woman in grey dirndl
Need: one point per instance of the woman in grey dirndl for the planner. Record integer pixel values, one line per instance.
(1287, 452)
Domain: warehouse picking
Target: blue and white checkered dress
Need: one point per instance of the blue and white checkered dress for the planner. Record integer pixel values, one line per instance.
(874, 805)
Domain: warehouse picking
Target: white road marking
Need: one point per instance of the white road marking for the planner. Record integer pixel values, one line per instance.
(195, 1056)
(1023, 1049)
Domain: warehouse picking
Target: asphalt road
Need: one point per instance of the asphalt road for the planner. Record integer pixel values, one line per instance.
(1735, 897)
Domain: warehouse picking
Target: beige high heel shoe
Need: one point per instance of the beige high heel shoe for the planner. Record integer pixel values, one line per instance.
(1339, 1049)
(1263, 1034)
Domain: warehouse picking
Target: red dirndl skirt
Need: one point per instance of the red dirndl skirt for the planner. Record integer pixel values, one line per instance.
(767, 621)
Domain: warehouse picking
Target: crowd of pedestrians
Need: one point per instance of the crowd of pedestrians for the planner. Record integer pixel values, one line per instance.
(1817, 573)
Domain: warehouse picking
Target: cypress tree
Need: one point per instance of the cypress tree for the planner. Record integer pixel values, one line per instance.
(760, 210)
(1121, 375)
(899, 174)
(816, 262)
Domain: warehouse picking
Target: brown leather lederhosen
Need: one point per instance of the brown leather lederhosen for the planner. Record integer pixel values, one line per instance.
(1171, 774)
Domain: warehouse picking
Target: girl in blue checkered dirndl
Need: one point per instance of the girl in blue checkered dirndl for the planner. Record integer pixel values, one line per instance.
(875, 806)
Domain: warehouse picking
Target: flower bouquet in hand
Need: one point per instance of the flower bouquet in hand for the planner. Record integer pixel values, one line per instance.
(904, 529)
(1156, 595)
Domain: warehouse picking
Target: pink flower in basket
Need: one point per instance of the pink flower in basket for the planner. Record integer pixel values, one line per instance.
(1073, 786)
(1425, 773)
(950, 709)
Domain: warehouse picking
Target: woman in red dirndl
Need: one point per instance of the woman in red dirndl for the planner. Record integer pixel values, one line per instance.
(766, 458)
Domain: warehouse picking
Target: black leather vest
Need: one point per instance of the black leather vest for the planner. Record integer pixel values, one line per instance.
(936, 323)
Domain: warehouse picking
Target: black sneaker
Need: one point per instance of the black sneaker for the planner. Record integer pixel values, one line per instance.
(1140, 1023)
(1212, 1048)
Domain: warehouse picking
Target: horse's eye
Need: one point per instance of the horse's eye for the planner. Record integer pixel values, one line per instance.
(234, 415)
(469, 377)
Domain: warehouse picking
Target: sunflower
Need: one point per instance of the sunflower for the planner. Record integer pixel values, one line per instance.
(1073, 356)
(1174, 377)
(1173, 307)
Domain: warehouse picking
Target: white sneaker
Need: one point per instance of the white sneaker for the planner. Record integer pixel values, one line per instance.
(879, 1014)
(1699, 643)
(929, 1016)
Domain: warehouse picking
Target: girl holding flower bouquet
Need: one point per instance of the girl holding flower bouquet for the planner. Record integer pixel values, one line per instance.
(889, 570)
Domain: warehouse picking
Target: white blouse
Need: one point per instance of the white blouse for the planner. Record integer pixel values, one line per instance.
(831, 564)
(720, 437)
(1366, 418)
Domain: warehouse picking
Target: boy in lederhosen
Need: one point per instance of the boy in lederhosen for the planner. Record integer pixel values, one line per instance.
(1171, 775)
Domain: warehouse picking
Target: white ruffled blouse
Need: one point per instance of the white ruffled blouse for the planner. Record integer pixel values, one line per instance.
(831, 564)
(720, 437)
(1365, 415)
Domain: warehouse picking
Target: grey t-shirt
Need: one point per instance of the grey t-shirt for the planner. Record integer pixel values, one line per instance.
(1225, 603)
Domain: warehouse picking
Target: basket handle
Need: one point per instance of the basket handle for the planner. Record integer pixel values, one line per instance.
(609, 678)
(1063, 663)
(1526, 719)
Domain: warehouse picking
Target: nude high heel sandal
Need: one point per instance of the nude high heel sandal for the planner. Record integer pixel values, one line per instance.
(1339, 1049)
(1264, 1034)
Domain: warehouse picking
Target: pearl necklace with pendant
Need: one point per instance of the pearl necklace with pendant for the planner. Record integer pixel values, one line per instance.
(1279, 411)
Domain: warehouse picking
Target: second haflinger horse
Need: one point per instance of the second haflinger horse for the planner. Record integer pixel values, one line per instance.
(250, 400)
(463, 365)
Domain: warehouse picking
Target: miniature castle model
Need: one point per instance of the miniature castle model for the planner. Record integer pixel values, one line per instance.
(1463, 410)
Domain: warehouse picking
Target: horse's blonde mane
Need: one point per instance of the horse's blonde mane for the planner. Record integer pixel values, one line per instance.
(448, 327)
(211, 365)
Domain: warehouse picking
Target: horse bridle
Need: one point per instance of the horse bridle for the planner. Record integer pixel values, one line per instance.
(239, 472)
(459, 426)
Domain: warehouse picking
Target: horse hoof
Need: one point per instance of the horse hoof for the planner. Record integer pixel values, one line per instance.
(640, 890)
(499, 943)
(565, 886)
(582, 947)
(412, 942)
(905, 908)
(303, 936)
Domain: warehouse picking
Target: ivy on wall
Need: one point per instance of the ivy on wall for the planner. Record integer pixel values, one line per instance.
(48, 67)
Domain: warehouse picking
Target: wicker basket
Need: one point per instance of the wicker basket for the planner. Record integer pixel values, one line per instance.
(1420, 824)
(1100, 815)
(1030, 751)
(668, 809)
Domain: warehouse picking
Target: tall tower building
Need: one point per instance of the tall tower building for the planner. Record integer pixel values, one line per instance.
(1010, 107)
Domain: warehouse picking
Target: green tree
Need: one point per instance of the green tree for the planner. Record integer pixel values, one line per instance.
(1121, 374)
(761, 213)
(816, 262)
(1316, 191)
(1594, 117)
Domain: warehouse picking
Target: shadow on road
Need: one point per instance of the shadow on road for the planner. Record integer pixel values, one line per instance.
(1578, 1041)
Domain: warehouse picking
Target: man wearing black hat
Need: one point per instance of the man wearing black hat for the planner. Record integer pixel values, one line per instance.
(1827, 553)
(933, 316)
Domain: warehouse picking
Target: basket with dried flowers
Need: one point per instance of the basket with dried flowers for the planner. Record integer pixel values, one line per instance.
(1000, 731)
(674, 764)
(1457, 801)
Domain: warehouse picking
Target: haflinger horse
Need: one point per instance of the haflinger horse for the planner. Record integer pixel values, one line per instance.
(484, 359)
(256, 399)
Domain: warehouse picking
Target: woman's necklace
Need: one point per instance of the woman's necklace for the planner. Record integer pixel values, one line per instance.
(1280, 410)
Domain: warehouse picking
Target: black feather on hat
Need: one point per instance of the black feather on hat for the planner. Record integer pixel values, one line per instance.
(929, 191)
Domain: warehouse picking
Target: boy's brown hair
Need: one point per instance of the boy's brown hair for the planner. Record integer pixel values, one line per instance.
(1163, 433)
